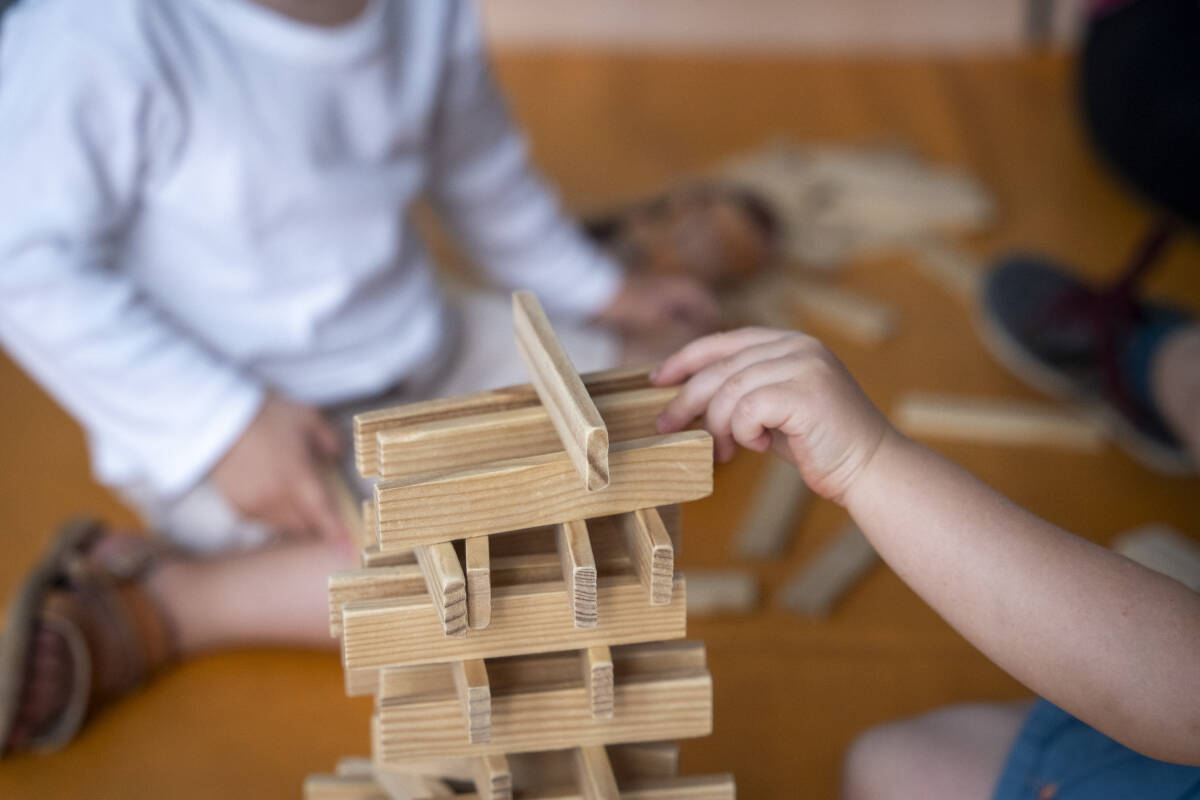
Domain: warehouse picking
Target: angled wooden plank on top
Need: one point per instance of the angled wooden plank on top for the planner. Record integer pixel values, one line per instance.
(541, 490)
(444, 445)
(579, 571)
(368, 424)
(570, 407)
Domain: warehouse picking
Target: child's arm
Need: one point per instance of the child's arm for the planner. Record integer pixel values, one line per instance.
(1109, 641)
(512, 224)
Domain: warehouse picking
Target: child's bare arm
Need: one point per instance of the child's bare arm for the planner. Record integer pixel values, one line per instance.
(1109, 641)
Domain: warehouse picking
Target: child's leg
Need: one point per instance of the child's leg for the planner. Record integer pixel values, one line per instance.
(954, 752)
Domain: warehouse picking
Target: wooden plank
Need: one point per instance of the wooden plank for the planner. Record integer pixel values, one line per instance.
(594, 774)
(857, 316)
(670, 707)
(368, 424)
(525, 619)
(479, 582)
(672, 517)
(690, 787)
(446, 445)
(1002, 422)
(541, 490)
(766, 529)
(1164, 550)
(343, 787)
(651, 553)
(598, 678)
(816, 587)
(579, 572)
(446, 584)
(721, 591)
(475, 697)
(647, 760)
(570, 407)
(369, 584)
(493, 777)
(956, 270)
(349, 506)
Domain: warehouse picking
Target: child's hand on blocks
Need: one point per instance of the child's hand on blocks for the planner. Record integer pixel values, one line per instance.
(765, 388)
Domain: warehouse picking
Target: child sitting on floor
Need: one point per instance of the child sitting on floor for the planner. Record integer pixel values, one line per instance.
(1110, 644)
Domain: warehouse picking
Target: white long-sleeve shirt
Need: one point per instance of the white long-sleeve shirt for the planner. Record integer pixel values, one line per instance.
(201, 200)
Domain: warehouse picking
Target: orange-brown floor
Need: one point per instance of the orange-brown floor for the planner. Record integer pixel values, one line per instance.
(790, 694)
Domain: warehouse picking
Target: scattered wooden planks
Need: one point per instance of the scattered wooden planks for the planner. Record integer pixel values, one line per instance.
(525, 619)
(721, 591)
(541, 490)
(956, 270)
(479, 582)
(766, 530)
(1003, 422)
(829, 574)
(368, 425)
(565, 398)
(579, 572)
(446, 584)
(651, 552)
(859, 317)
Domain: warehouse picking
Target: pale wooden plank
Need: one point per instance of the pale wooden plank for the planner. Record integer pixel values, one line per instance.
(829, 574)
(477, 554)
(766, 529)
(571, 410)
(376, 583)
(691, 787)
(525, 619)
(1164, 550)
(579, 571)
(368, 424)
(440, 446)
(721, 591)
(598, 677)
(493, 777)
(859, 317)
(343, 787)
(541, 490)
(956, 270)
(1000, 422)
(475, 697)
(651, 552)
(446, 584)
(349, 506)
(670, 707)
(594, 774)
(644, 761)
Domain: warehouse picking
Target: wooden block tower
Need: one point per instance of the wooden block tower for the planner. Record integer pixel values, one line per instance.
(518, 616)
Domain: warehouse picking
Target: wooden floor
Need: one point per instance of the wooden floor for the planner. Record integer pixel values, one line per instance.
(790, 694)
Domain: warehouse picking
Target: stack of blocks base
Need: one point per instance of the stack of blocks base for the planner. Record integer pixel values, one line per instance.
(518, 616)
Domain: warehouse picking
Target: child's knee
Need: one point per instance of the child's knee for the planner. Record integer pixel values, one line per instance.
(872, 762)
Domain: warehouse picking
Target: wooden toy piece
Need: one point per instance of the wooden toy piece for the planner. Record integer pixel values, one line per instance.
(1163, 549)
(1001, 422)
(493, 778)
(598, 677)
(594, 773)
(954, 269)
(349, 507)
(529, 618)
(443, 445)
(855, 315)
(651, 552)
(766, 530)
(496, 498)
(479, 582)
(579, 572)
(721, 591)
(369, 584)
(447, 585)
(571, 410)
(475, 697)
(815, 589)
(368, 424)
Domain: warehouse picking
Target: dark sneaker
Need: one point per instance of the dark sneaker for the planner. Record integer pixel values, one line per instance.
(1066, 338)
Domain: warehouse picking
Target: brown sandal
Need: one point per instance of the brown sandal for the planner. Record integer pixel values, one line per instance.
(113, 633)
(718, 234)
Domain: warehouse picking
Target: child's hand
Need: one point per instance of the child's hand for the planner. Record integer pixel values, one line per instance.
(766, 388)
(274, 472)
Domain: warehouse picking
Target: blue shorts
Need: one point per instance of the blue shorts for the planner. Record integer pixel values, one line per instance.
(1057, 757)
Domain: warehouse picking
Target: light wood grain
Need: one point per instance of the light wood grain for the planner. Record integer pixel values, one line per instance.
(598, 677)
(369, 584)
(771, 517)
(525, 619)
(479, 581)
(493, 777)
(855, 315)
(594, 774)
(343, 787)
(349, 506)
(474, 697)
(541, 490)
(650, 552)
(1000, 422)
(565, 398)
(829, 574)
(447, 585)
(579, 571)
(674, 706)
(440, 446)
(368, 424)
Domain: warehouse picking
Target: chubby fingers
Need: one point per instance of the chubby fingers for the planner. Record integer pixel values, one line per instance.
(730, 398)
